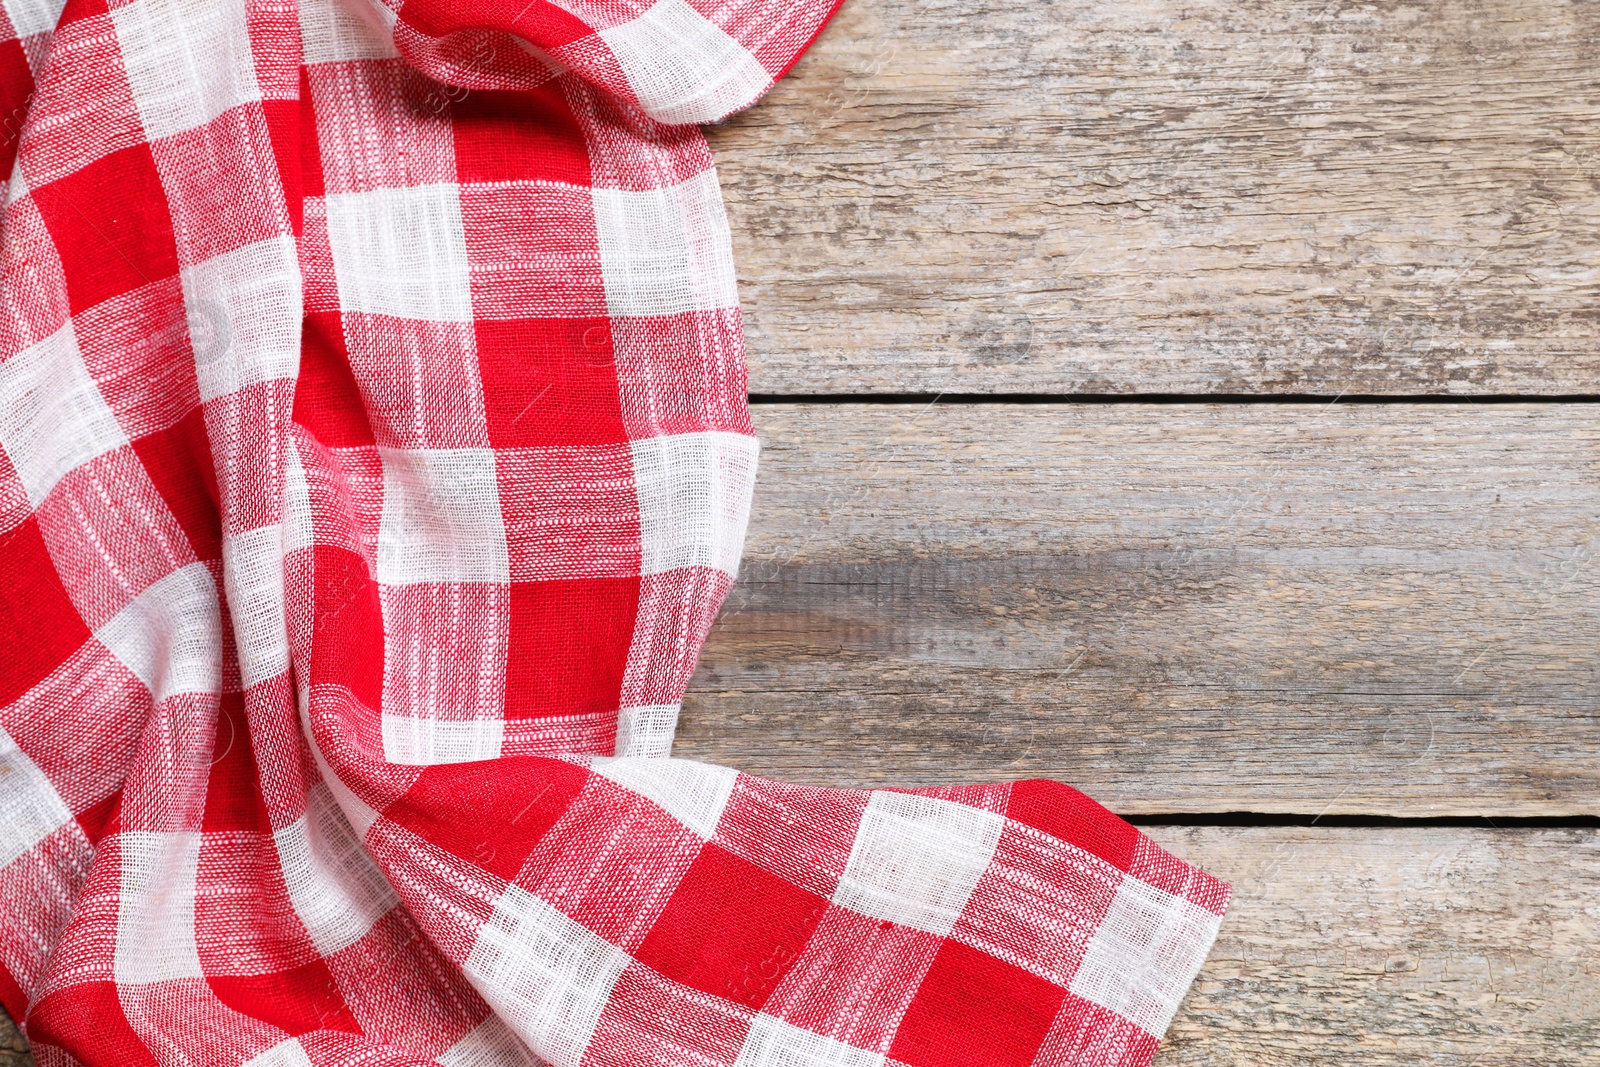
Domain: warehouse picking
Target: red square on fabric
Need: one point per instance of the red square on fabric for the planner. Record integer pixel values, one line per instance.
(732, 929)
(534, 20)
(178, 461)
(296, 1000)
(76, 10)
(543, 21)
(16, 83)
(309, 158)
(111, 226)
(234, 800)
(973, 1010)
(1064, 813)
(326, 400)
(347, 641)
(513, 802)
(283, 119)
(87, 1021)
(549, 382)
(569, 645)
(519, 136)
(33, 602)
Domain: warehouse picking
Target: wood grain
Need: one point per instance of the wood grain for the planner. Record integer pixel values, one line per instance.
(1384, 609)
(13, 1049)
(1389, 948)
(1384, 948)
(1176, 196)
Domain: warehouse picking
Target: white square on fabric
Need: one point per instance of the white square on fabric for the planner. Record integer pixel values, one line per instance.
(916, 860)
(252, 573)
(243, 310)
(441, 517)
(169, 634)
(694, 499)
(419, 742)
(334, 884)
(188, 61)
(682, 66)
(298, 529)
(401, 252)
(693, 793)
(155, 908)
(287, 1053)
(544, 973)
(646, 730)
(774, 1043)
(52, 415)
(490, 1044)
(1144, 954)
(336, 30)
(31, 17)
(665, 251)
(30, 808)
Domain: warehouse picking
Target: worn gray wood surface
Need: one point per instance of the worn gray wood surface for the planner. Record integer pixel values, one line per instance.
(1385, 948)
(1385, 609)
(13, 1049)
(1371, 196)
(1396, 947)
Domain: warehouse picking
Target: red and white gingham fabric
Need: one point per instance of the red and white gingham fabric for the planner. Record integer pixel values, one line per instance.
(375, 458)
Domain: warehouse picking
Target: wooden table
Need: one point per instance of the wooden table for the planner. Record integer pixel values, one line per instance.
(1193, 401)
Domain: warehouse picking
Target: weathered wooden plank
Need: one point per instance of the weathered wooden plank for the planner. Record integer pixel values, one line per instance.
(1383, 609)
(13, 1049)
(1386, 948)
(1175, 196)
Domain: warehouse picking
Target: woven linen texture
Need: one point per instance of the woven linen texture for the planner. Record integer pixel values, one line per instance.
(375, 459)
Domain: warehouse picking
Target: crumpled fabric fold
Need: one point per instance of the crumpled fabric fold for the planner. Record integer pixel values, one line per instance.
(374, 457)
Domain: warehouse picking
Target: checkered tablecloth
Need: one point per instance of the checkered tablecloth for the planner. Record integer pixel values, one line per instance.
(375, 459)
